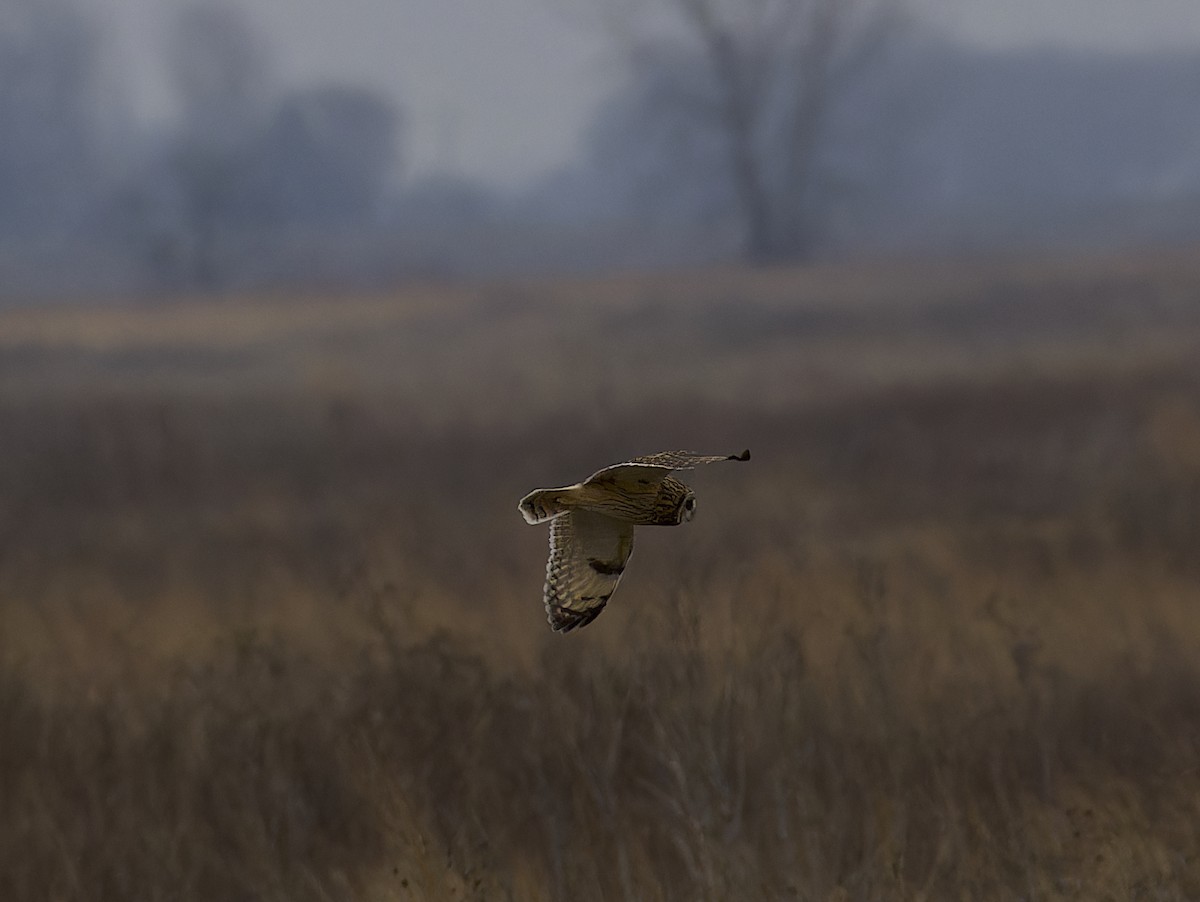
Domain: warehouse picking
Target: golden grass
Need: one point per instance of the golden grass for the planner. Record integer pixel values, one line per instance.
(270, 624)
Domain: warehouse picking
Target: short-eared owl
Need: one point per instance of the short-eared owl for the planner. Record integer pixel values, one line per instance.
(591, 527)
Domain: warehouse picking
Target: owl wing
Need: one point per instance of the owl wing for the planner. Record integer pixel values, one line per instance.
(588, 552)
(645, 473)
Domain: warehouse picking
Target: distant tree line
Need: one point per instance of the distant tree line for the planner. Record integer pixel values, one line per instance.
(237, 158)
(761, 130)
(790, 129)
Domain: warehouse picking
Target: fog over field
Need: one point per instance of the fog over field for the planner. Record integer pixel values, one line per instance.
(501, 90)
(165, 148)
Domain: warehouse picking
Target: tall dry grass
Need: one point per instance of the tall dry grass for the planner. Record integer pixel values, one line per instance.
(271, 625)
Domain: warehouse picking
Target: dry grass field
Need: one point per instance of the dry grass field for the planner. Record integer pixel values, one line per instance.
(271, 627)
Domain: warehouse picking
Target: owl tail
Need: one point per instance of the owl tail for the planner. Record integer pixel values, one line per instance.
(541, 505)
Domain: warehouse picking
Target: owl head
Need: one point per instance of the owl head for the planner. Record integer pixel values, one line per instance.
(675, 504)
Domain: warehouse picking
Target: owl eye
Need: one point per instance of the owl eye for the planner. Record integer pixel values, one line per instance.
(690, 503)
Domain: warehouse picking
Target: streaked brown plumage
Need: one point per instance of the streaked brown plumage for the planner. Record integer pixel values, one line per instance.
(591, 527)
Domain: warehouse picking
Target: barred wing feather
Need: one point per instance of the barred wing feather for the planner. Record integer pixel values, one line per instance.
(588, 552)
(646, 472)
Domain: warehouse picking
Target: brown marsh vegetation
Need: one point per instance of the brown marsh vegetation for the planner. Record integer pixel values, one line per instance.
(270, 623)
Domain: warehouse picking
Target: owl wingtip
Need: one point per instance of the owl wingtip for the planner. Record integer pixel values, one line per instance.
(745, 455)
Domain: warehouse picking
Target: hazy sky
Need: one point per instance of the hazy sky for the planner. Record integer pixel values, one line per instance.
(499, 89)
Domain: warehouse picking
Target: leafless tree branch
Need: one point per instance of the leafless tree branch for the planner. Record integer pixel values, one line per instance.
(767, 75)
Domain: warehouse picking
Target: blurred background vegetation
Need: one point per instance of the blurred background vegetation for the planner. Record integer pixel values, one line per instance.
(204, 146)
(284, 338)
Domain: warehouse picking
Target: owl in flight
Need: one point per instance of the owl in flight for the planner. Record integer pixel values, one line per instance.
(591, 527)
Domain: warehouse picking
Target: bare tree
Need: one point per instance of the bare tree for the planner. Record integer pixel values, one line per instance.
(50, 119)
(758, 80)
(327, 156)
(220, 80)
(219, 71)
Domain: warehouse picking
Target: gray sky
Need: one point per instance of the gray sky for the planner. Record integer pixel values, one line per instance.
(500, 89)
